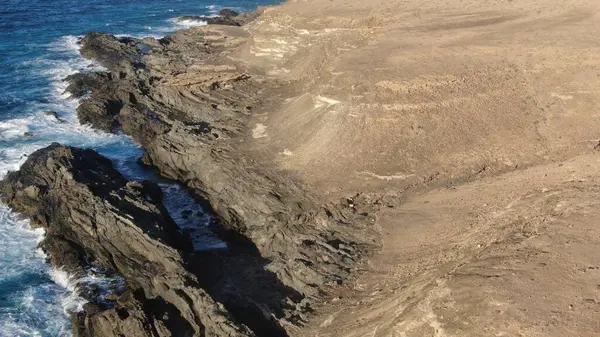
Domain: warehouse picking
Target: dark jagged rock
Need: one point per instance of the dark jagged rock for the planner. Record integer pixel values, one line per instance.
(82, 83)
(228, 13)
(92, 214)
(111, 51)
(192, 125)
(145, 160)
(101, 113)
(225, 17)
(211, 20)
(50, 113)
(107, 93)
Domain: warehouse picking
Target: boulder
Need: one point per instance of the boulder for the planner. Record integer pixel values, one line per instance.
(226, 17)
(111, 51)
(228, 13)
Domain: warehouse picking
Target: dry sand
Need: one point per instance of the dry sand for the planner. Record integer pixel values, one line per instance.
(478, 121)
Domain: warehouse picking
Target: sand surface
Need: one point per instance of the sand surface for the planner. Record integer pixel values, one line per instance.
(478, 121)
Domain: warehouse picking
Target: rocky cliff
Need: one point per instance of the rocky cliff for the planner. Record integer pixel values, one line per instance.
(93, 216)
(477, 120)
(189, 106)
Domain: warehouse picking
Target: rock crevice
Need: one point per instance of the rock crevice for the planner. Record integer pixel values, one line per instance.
(189, 106)
(190, 123)
(94, 216)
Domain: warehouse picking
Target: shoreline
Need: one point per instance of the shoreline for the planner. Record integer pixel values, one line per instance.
(323, 258)
(96, 218)
(378, 169)
(243, 250)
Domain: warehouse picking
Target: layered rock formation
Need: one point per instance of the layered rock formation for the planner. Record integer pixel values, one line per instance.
(420, 103)
(93, 216)
(183, 100)
(382, 97)
(189, 106)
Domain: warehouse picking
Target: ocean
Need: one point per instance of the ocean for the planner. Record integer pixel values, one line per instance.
(38, 49)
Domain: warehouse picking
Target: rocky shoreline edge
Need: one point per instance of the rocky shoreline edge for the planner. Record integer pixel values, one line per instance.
(188, 106)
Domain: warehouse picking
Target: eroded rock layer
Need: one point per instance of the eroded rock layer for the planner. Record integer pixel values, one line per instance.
(188, 105)
(94, 216)
(183, 99)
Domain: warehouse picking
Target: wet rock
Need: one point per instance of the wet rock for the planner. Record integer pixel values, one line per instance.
(50, 113)
(53, 114)
(90, 292)
(28, 134)
(111, 51)
(228, 13)
(92, 213)
(145, 160)
(112, 297)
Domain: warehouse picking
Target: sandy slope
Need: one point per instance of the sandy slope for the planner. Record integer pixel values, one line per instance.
(515, 255)
(478, 119)
(401, 92)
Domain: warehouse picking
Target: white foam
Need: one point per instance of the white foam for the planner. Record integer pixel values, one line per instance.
(143, 35)
(50, 302)
(13, 128)
(15, 233)
(45, 130)
(187, 23)
(68, 43)
(20, 261)
(213, 9)
(72, 302)
(62, 278)
(69, 63)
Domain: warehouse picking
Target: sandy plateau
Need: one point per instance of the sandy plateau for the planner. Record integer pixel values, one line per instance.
(476, 122)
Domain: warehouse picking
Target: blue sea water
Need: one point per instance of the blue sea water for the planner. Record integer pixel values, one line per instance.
(38, 48)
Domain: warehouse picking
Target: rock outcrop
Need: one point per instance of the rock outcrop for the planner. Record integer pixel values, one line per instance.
(189, 107)
(226, 17)
(93, 216)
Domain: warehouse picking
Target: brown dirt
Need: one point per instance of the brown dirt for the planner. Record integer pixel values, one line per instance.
(478, 121)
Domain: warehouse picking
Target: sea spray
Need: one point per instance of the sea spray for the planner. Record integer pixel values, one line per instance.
(72, 302)
(30, 304)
